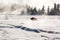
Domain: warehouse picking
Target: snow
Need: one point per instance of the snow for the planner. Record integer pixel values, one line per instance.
(17, 34)
(49, 23)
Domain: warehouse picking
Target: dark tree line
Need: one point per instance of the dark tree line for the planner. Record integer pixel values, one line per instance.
(34, 11)
(53, 11)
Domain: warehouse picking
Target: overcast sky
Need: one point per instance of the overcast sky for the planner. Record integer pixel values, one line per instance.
(33, 3)
(40, 3)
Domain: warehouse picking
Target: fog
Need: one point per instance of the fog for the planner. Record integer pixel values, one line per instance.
(32, 3)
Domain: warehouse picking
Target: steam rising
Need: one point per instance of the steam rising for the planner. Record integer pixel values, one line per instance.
(19, 5)
(13, 7)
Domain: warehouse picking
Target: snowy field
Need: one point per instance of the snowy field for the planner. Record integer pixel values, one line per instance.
(49, 23)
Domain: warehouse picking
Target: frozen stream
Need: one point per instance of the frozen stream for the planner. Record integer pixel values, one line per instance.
(49, 23)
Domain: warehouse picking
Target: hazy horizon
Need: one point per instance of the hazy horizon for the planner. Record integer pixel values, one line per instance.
(32, 3)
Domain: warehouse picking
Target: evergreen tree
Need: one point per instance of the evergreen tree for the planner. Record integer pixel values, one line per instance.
(48, 9)
(43, 9)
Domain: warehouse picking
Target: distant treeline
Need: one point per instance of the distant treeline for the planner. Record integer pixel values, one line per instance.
(53, 11)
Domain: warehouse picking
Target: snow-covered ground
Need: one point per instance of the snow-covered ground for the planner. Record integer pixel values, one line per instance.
(49, 23)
